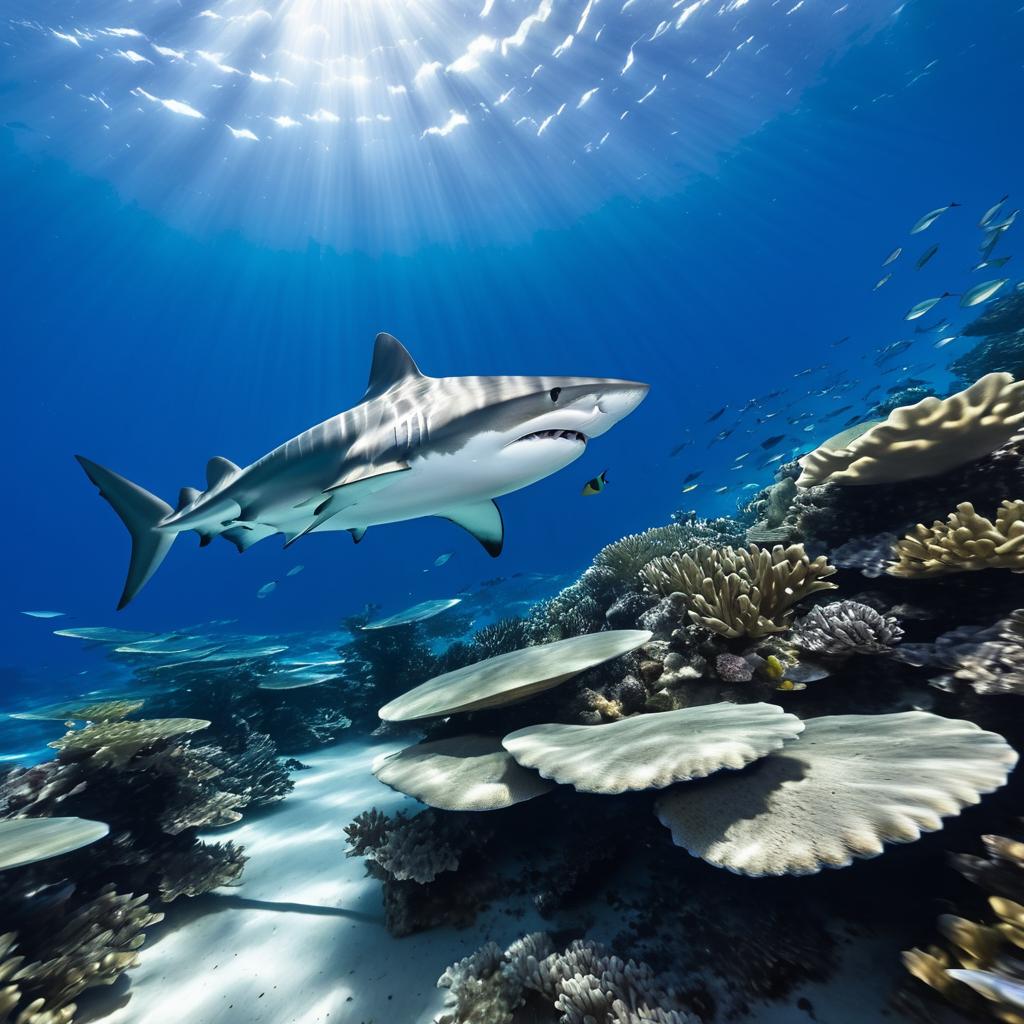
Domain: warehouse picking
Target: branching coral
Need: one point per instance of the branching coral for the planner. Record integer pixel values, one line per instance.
(402, 848)
(252, 770)
(740, 592)
(980, 968)
(999, 353)
(846, 627)
(925, 439)
(58, 949)
(965, 542)
(583, 984)
(153, 790)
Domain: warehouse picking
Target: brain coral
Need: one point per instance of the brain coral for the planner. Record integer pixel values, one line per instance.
(965, 542)
(653, 751)
(849, 785)
(923, 440)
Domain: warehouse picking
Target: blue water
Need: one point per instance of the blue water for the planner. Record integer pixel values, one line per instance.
(164, 301)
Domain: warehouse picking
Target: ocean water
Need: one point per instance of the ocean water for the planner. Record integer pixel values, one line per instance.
(210, 212)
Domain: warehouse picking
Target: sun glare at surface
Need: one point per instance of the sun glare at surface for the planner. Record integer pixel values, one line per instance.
(390, 123)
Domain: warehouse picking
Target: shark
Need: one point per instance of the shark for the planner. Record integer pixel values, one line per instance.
(414, 446)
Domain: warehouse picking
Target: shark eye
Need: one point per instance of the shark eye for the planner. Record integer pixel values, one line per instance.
(555, 392)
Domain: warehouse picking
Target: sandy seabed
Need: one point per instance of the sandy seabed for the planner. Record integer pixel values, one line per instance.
(302, 939)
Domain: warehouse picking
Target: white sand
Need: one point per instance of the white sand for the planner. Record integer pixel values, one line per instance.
(302, 939)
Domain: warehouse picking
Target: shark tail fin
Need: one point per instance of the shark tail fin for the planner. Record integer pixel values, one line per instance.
(141, 512)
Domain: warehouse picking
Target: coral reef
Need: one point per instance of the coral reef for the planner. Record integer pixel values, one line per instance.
(462, 773)
(990, 659)
(979, 968)
(869, 555)
(850, 784)
(511, 677)
(965, 542)
(846, 627)
(153, 790)
(1000, 353)
(583, 984)
(423, 863)
(58, 946)
(999, 317)
(653, 751)
(923, 440)
(771, 508)
(744, 592)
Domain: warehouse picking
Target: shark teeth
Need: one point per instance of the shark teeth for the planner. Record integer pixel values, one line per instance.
(568, 435)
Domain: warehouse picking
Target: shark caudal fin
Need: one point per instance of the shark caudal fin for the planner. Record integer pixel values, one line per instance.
(141, 512)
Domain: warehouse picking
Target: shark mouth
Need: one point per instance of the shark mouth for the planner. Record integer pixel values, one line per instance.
(547, 435)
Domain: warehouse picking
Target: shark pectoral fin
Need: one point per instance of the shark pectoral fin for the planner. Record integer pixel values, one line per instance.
(371, 476)
(483, 520)
(358, 532)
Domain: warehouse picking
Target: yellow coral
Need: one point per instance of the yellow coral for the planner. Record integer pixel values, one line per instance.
(965, 542)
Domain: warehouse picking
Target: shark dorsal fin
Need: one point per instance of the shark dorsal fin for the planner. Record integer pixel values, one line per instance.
(392, 364)
(219, 469)
(186, 496)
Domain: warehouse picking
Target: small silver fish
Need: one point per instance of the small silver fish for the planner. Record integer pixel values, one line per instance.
(991, 212)
(922, 307)
(894, 255)
(880, 282)
(267, 588)
(980, 292)
(295, 570)
(948, 340)
(442, 559)
(930, 218)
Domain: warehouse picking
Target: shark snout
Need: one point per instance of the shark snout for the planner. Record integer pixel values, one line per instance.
(616, 401)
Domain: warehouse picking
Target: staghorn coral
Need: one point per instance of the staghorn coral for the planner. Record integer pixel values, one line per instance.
(965, 542)
(59, 947)
(740, 592)
(923, 440)
(846, 627)
(403, 848)
(153, 801)
(583, 985)
(978, 969)
(200, 869)
(499, 638)
(252, 769)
